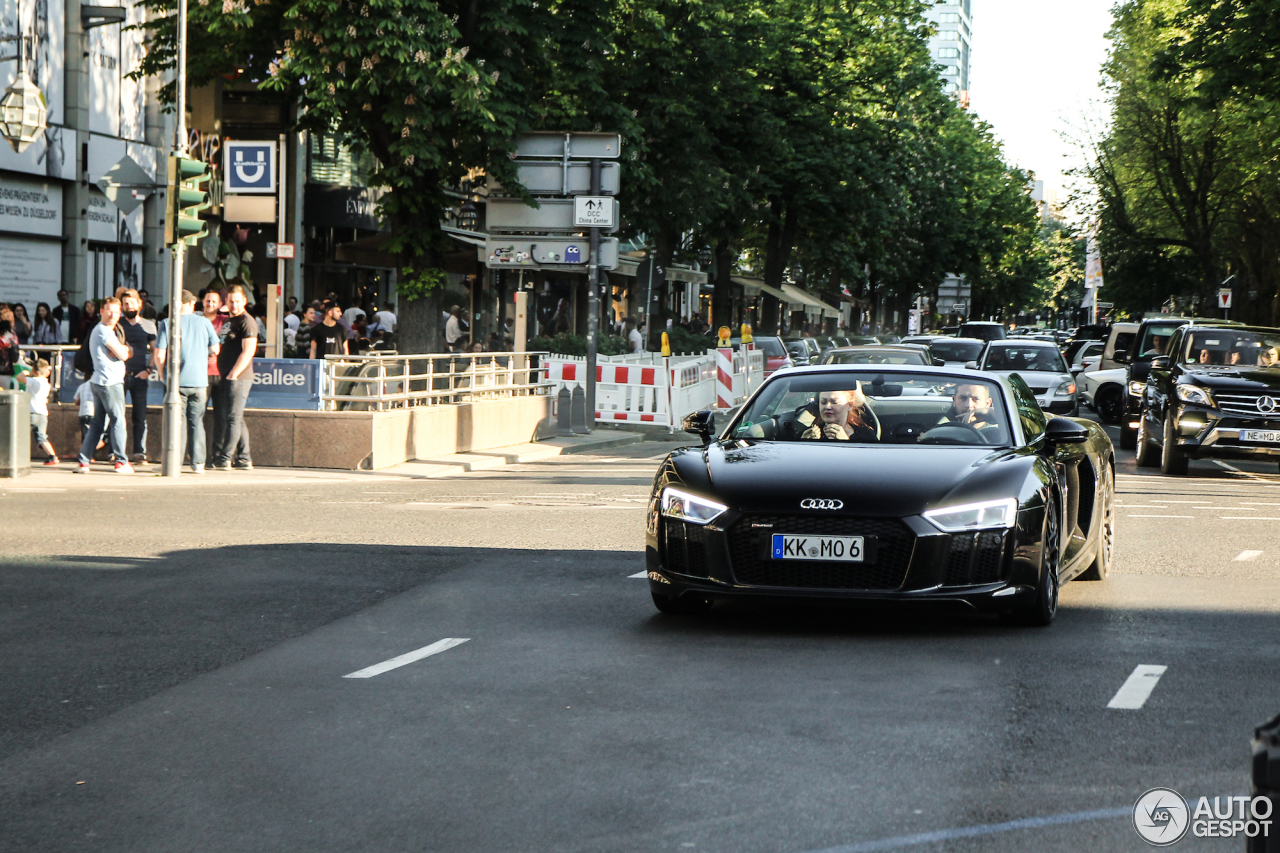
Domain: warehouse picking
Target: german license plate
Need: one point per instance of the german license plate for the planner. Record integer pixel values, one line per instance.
(841, 549)
(1261, 436)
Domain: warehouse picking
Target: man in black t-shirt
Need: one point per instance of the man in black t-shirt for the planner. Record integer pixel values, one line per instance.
(235, 365)
(329, 337)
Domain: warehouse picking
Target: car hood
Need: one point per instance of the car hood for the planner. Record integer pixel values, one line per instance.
(1244, 379)
(1036, 378)
(872, 480)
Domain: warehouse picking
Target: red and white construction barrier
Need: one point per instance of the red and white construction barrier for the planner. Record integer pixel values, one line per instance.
(724, 378)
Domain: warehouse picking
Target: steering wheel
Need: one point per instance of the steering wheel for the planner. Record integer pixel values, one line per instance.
(953, 434)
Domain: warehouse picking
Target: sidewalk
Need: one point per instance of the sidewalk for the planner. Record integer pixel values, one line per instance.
(64, 477)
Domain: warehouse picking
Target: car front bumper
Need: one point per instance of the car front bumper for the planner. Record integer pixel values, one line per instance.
(908, 561)
(1205, 433)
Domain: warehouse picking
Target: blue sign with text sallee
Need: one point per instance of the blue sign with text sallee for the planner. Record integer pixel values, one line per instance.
(278, 383)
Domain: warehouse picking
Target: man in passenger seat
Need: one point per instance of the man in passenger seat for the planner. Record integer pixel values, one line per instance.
(971, 406)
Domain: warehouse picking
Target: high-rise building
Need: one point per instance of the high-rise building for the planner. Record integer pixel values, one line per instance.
(953, 43)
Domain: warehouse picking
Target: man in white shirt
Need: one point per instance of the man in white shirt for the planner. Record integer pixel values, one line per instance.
(453, 328)
(349, 316)
(386, 317)
(634, 338)
(107, 384)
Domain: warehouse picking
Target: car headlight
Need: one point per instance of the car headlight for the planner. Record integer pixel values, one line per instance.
(975, 516)
(1135, 388)
(1194, 394)
(686, 507)
(1066, 389)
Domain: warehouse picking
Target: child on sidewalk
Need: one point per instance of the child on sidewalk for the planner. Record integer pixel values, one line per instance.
(38, 388)
(84, 396)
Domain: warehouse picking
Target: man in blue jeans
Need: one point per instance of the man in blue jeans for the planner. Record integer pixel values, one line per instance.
(107, 384)
(199, 342)
(139, 334)
(235, 364)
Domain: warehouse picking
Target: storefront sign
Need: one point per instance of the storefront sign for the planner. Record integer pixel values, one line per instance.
(342, 207)
(30, 207)
(32, 271)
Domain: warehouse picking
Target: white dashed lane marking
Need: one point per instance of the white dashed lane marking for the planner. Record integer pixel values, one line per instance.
(1245, 556)
(408, 657)
(1135, 691)
(1160, 516)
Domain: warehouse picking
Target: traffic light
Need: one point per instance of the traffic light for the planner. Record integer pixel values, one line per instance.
(186, 198)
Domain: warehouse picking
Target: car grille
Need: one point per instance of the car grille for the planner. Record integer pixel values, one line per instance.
(749, 549)
(1039, 391)
(1245, 404)
(686, 548)
(975, 559)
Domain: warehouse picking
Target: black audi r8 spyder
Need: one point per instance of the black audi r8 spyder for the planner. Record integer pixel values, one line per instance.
(884, 483)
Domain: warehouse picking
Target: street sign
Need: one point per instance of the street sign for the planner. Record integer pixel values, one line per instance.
(591, 211)
(958, 308)
(280, 251)
(536, 252)
(573, 146)
(1224, 298)
(127, 184)
(548, 177)
(551, 214)
(249, 167)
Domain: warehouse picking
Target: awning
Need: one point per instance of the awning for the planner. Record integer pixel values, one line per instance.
(475, 238)
(755, 286)
(796, 295)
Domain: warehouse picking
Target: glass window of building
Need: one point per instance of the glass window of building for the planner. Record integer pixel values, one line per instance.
(948, 53)
(949, 18)
(949, 35)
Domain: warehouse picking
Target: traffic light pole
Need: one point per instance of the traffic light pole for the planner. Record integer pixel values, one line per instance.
(593, 303)
(171, 463)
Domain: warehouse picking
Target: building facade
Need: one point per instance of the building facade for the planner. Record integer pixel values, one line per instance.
(58, 229)
(952, 45)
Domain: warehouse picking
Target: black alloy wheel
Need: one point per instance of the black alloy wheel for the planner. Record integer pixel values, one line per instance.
(1101, 565)
(686, 605)
(1110, 406)
(1040, 613)
(1172, 460)
(1147, 451)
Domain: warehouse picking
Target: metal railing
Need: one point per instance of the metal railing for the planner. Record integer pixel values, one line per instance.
(392, 381)
(52, 353)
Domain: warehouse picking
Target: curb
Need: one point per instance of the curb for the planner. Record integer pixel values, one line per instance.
(589, 443)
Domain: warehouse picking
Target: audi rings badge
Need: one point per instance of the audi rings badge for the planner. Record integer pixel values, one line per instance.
(1267, 405)
(821, 503)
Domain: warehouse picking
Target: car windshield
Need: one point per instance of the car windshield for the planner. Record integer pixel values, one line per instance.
(984, 331)
(1221, 347)
(877, 355)
(877, 407)
(1155, 340)
(1025, 358)
(956, 350)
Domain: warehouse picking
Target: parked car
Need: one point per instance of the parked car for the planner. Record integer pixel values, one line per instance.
(1151, 340)
(776, 356)
(1040, 365)
(1214, 393)
(1087, 357)
(983, 330)
(956, 352)
(799, 352)
(1103, 391)
(900, 354)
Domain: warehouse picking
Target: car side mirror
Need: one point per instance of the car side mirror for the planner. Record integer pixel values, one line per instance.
(937, 362)
(971, 365)
(1121, 358)
(701, 424)
(1063, 431)
(1160, 362)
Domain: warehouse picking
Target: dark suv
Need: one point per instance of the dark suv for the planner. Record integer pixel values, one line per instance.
(1214, 394)
(1151, 340)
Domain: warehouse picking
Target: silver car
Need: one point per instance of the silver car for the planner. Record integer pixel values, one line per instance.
(1041, 366)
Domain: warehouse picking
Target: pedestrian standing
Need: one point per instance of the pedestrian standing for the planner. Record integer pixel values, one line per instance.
(199, 344)
(386, 317)
(109, 357)
(327, 337)
(235, 365)
(21, 323)
(9, 353)
(139, 335)
(67, 317)
(88, 319)
(45, 330)
(38, 388)
(453, 335)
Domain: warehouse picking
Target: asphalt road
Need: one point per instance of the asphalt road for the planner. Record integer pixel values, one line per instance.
(172, 662)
